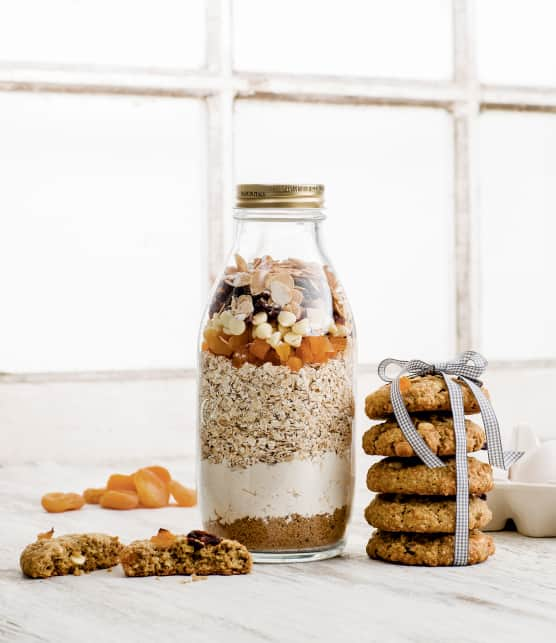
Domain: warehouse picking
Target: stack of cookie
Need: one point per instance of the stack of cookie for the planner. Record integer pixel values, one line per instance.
(415, 509)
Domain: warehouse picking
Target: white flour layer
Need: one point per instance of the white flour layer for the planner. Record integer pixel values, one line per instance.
(306, 487)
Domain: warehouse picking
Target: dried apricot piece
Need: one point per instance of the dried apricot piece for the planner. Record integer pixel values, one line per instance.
(217, 344)
(120, 482)
(47, 535)
(339, 343)
(114, 499)
(163, 538)
(57, 502)
(320, 347)
(238, 341)
(259, 348)
(294, 363)
(184, 496)
(405, 384)
(93, 496)
(284, 351)
(161, 472)
(240, 357)
(150, 488)
(304, 351)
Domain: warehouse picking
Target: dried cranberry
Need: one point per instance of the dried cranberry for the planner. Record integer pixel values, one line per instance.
(199, 539)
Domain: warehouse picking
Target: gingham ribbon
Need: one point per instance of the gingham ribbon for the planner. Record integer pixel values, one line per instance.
(468, 366)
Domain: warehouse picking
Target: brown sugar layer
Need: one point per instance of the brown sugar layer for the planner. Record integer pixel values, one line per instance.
(436, 430)
(69, 554)
(411, 476)
(432, 550)
(293, 532)
(197, 553)
(423, 514)
(420, 394)
(271, 414)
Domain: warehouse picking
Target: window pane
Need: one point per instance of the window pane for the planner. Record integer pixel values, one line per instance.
(516, 43)
(518, 233)
(354, 37)
(99, 235)
(388, 180)
(165, 33)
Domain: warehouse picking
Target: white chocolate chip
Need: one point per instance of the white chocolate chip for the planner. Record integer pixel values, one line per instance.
(333, 329)
(293, 339)
(286, 318)
(225, 317)
(78, 559)
(234, 326)
(263, 331)
(301, 327)
(275, 339)
(259, 318)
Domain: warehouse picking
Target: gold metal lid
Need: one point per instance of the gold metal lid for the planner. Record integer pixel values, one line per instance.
(292, 195)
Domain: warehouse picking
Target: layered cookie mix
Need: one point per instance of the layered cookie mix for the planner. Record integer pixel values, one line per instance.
(276, 407)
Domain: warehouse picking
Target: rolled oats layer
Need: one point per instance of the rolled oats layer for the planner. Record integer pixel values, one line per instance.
(269, 414)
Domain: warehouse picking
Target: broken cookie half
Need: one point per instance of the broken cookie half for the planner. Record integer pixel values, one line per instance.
(197, 553)
(69, 554)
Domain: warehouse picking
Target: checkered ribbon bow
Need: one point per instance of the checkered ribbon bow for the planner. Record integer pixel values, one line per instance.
(468, 367)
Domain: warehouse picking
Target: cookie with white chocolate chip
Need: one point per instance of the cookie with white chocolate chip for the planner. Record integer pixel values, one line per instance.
(69, 554)
(436, 430)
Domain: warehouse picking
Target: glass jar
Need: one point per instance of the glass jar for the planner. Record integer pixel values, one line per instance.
(276, 384)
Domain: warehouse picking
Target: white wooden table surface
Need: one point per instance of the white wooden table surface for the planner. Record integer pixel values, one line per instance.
(351, 598)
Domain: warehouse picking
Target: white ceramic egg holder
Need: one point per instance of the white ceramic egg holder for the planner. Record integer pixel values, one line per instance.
(528, 495)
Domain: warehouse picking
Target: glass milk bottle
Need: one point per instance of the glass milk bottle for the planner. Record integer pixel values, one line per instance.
(276, 384)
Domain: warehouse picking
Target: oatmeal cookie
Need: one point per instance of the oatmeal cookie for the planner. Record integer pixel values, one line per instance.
(423, 514)
(427, 393)
(432, 550)
(70, 554)
(197, 553)
(411, 476)
(436, 430)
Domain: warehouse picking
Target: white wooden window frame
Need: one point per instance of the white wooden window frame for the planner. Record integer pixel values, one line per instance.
(464, 97)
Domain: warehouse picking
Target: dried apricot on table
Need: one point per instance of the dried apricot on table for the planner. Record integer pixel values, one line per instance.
(93, 496)
(120, 482)
(57, 502)
(183, 496)
(152, 491)
(114, 499)
(161, 472)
